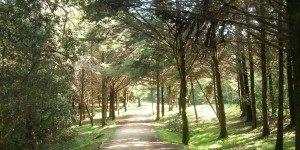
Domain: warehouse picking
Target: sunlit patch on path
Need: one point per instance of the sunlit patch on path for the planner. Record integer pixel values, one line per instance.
(136, 132)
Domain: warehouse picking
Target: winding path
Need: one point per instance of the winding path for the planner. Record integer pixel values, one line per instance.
(135, 132)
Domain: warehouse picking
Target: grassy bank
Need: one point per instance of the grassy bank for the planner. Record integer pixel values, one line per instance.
(204, 133)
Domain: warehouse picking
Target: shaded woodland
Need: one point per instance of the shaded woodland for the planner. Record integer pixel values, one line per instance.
(63, 61)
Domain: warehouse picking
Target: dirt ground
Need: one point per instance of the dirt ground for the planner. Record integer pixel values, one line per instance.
(135, 132)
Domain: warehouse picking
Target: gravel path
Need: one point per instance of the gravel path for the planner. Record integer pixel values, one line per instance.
(135, 132)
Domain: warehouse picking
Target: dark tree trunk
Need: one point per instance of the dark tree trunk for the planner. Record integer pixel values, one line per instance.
(279, 139)
(125, 99)
(169, 90)
(289, 72)
(112, 103)
(162, 100)
(246, 99)
(271, 94)
(118, 103)
(252, 90)
(183, 89)
(251, 69)
(221, 110)
(193, 98)
(263, 59)
(293, 12)
(157, 95)
(82, 97)
(104, 101)
(241, 84)
(139, 102)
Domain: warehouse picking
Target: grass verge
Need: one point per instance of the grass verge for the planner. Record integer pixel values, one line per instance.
(204, 133)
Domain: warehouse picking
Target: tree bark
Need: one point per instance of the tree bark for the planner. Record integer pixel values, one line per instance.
(279, 139)
(82, 97)
(162, 100)
(193, 98)
(221, 110)
(266, 129)
(104, 101)
(271, 94)
(125, 99)
(112, 103)
(157, 95)
(289, 72)
(252, 85)
(169, 89)
(293, 12)
(183, 89)
(246, 99)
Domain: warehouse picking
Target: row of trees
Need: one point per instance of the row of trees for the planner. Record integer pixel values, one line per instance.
(246, 32)
(52, 60)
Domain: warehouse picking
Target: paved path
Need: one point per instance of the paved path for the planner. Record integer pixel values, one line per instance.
(135, 132)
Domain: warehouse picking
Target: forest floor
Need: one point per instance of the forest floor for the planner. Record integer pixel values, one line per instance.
(135, 130)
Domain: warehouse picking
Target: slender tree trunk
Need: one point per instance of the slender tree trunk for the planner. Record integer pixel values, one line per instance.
(104, 101)
(112, 103)
(118, 102)
(289, 73)
(125, 100)
(271, 94)
(246, 99)
(279, 139)
(82, 97)
(241, 84)
(221, 110)
(139, 102)
(263, 59)
(252, 83)
(162, 100)
(169, 91)
(193, 98)
(215, 88)
(293, 12)
(151, 97)
(183, 89)
(157, 95)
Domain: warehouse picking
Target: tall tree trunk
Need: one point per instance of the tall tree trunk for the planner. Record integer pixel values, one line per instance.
(82, 97)
(289, 72)
(279, 139)
(293, 12)
(271, 94)
(104, 101)
(252, 85)
(241, 84)
(183, 89)
(266, 129)
(157, 95)
(169, 91)
(162, 100)
(139, 102)
(220, 110)
(125, 99)
(151, 97)
(193, 98)
(215, 88)
(112, 103)
(118, 103)
(246, 99)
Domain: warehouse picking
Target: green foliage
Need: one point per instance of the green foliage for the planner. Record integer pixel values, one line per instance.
(35, 93)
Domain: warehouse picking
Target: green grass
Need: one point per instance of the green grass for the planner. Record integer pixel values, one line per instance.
(204, 134)
(85, 139)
